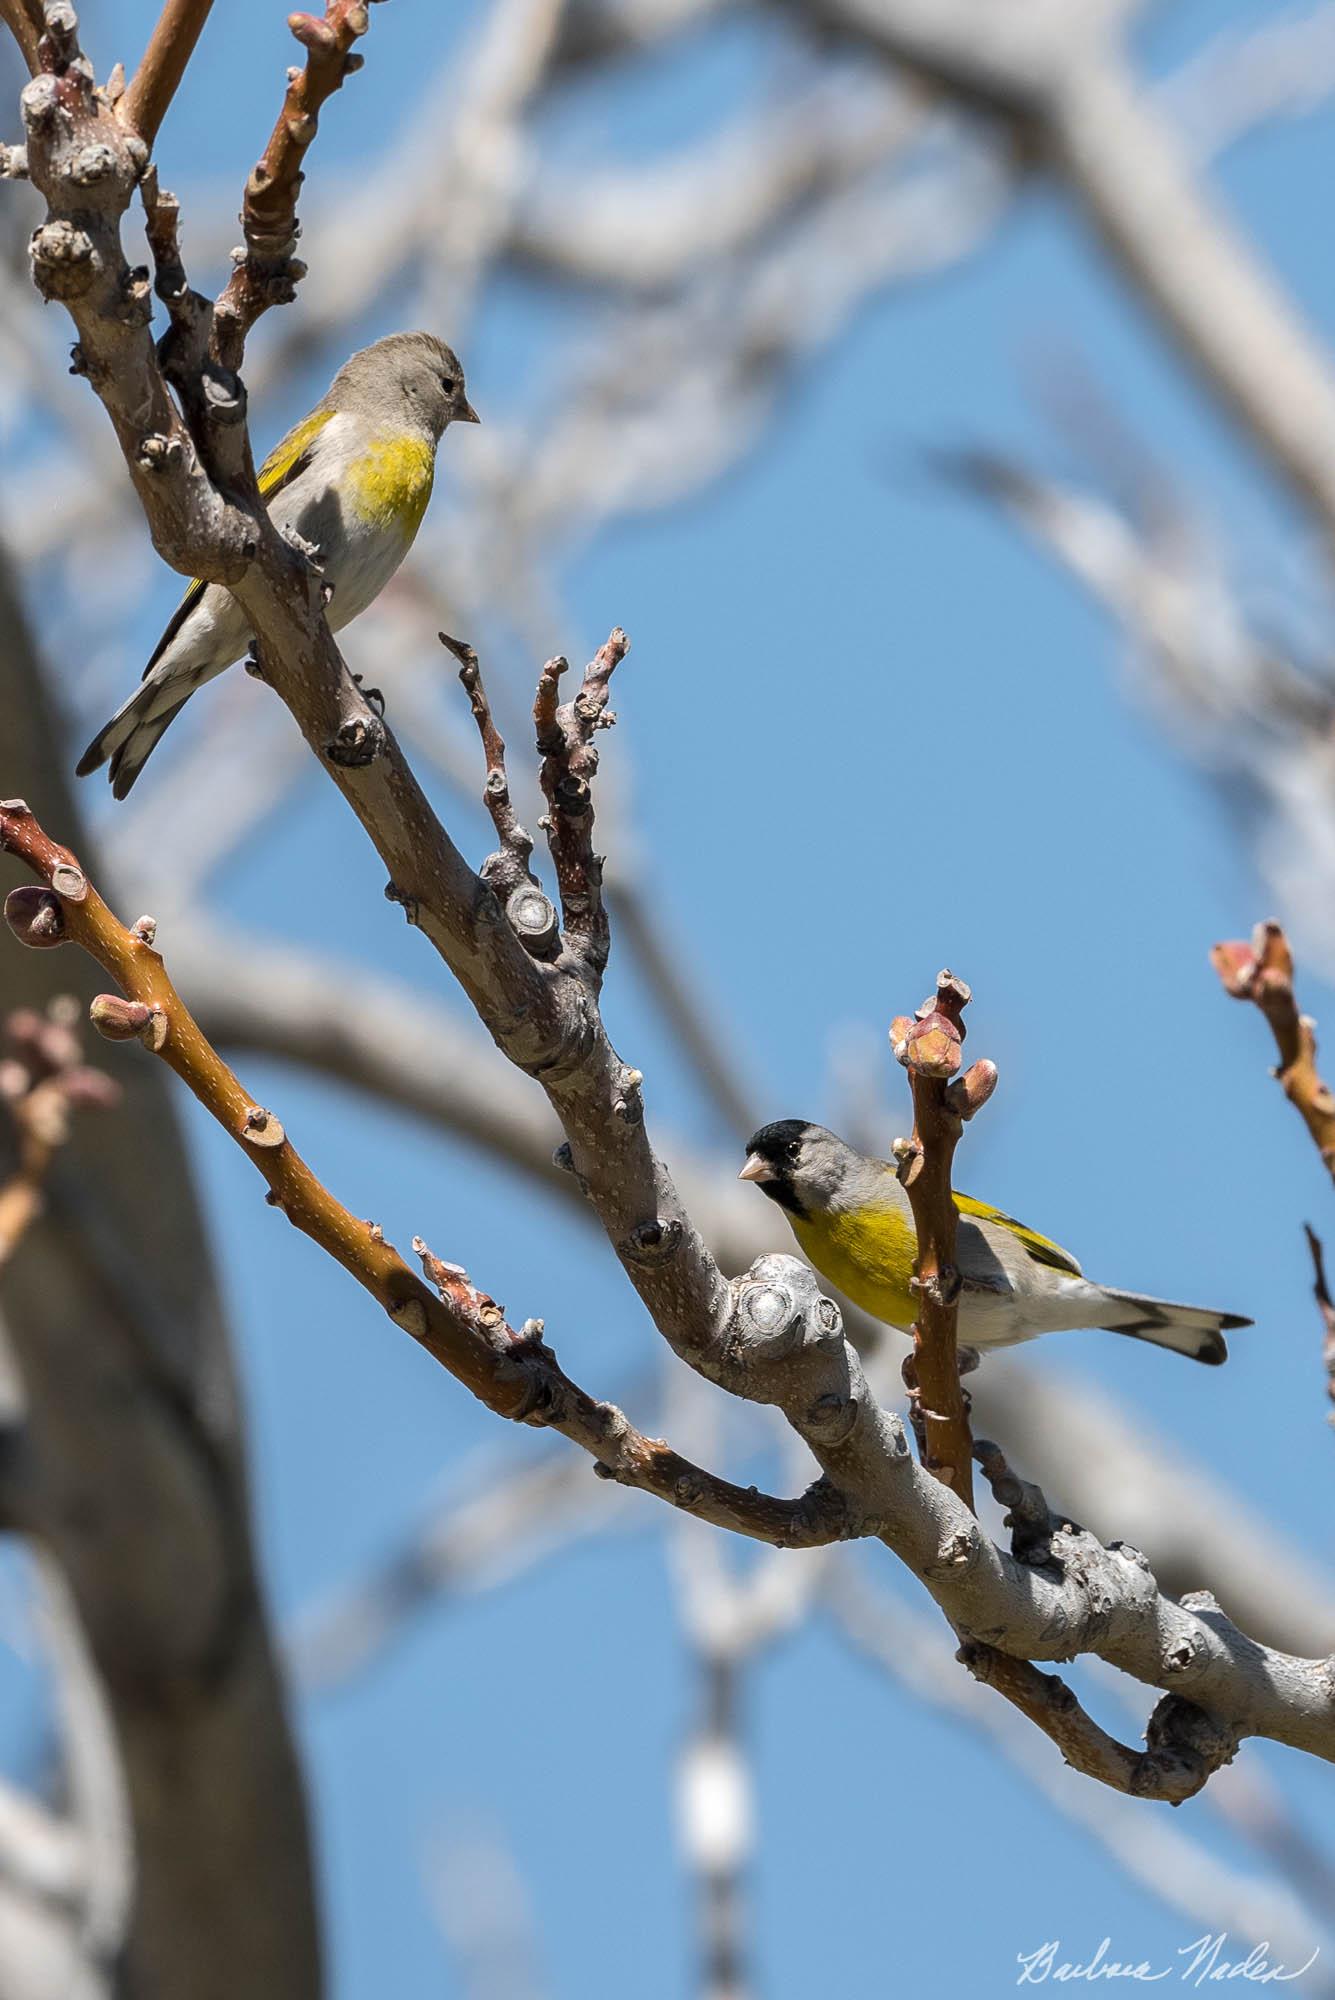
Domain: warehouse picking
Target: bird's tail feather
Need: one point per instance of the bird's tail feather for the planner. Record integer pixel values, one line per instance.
(1196, 1331)
(130, 736)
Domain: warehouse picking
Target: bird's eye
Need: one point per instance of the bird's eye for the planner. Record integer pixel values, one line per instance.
(448, 384)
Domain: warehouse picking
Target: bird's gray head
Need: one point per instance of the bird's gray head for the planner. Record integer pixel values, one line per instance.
(410, 377)
(803, 1167)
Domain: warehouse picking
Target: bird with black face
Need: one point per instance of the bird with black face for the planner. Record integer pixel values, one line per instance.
(853, 1221)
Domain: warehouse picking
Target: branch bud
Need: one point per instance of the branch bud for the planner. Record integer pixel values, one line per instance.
(1251, 971)
(62, 259)
(970, 1092)
(930, 1047)
(117, 1019)
(313, 34)
(35, 916)
(261, 1128)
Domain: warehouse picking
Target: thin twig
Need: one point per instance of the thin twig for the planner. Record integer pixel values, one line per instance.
(929, 1048)
(1262, 971)
(266, 271)
(1326, 1307)
(24, 20)
(565, 736)
(1184, 1746)
(154, 84)
(509, 869)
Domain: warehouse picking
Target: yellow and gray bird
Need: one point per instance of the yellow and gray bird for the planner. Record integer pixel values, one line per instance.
(351, 481)
(852, 1218)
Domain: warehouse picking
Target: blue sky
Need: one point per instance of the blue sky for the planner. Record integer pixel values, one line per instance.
(818, 853)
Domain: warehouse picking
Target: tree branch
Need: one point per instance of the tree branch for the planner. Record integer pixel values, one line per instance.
(1183, 1750)
(1326, 1307)
(772, 1338)
(769, 1335)
(413, 1052)
(1185, 1746)
(929, 1048)
(514, 1373)
(24, 20)
(1262, 972)
(565, 734)
(509, 871)
(154, 84)
(266, 271)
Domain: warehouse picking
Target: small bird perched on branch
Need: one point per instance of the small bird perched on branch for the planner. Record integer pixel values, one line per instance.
(853, 1220)
(351, 481)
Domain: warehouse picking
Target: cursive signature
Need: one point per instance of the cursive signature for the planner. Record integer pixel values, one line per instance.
(1206, 1960)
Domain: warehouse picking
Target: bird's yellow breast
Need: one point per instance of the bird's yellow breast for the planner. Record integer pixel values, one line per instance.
(868, 1255)
(389, 483)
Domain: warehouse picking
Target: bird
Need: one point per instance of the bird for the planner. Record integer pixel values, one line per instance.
(851, 1216)
(350, 483)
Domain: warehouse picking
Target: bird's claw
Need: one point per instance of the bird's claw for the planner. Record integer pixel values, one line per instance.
(308, 551)
(373, 697)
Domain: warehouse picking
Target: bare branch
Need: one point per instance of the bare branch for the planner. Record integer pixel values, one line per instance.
(771, 1338)
(266, 272)
(413, 1052)
(508, 871)
(1262, 971)
(25, 21)
(1156, 1852)
(1326, 1307)
(154, 84)
(929, 1048)
(565, 736)
(514, 1373)
(1184, 1747)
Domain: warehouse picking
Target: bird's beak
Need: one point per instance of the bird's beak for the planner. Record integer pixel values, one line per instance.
(468, 415)
(757, 1169)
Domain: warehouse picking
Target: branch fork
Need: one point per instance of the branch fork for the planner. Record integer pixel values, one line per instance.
(565, 733)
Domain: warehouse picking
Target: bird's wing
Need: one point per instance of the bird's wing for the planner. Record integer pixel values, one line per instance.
(1040, 1248)
(285, 462)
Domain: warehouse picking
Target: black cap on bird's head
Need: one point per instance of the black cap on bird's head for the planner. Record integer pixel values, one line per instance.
(773, 1160)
